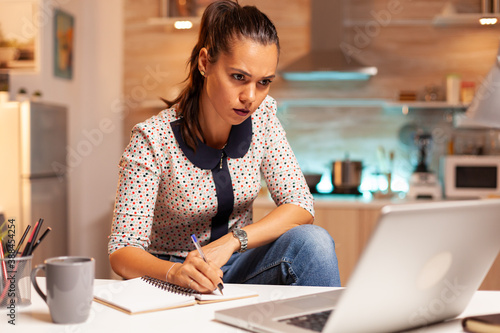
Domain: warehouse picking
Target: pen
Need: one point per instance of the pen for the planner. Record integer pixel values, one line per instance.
(22, 240)
(5, 232)
(41, 238)
(29, 247)
(4, 267)
(200, 251)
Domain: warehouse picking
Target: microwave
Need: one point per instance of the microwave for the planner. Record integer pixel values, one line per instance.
(470, 176)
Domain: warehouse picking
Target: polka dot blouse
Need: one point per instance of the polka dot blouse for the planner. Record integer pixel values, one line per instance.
(166, 192)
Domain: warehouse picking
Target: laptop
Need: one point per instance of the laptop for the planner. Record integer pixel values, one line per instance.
(422, 264)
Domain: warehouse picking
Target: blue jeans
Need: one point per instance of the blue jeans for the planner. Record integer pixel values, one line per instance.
(303, 256)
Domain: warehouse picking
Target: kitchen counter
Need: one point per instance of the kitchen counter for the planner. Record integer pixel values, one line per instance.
(350, 220)
(341, 201)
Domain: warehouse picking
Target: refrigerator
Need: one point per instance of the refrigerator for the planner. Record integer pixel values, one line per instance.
(33, 183)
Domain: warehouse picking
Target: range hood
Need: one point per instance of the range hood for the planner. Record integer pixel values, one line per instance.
(326, 61)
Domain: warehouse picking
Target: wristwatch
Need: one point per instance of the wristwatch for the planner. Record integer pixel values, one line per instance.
(241, 235)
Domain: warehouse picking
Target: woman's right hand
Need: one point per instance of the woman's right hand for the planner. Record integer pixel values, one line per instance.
(196, 274)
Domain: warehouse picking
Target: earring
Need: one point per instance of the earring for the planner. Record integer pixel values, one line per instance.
(202, 73)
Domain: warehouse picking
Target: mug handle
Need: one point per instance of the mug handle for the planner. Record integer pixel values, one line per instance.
(35, 284)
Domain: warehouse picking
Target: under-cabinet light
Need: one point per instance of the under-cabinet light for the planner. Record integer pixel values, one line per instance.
(183, 25)
(488, 20)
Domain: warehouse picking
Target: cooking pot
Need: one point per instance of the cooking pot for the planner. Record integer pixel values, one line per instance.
(346, 174)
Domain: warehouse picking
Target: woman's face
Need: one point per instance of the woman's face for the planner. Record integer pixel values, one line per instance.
(238, 82)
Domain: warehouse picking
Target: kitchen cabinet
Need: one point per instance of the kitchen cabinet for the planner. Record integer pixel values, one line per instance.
(351, 225)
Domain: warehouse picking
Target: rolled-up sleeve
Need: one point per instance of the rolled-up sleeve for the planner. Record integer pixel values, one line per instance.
(280, 168)
(139, 177)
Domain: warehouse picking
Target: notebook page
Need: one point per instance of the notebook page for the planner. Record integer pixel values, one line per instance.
(137, 296)
(231, 292)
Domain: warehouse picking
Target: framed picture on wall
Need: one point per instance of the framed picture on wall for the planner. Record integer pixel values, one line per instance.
(63, 44)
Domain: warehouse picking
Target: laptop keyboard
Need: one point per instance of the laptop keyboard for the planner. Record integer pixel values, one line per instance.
(313, 321)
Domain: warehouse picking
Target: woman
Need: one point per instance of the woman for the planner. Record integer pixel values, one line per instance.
(195, 169)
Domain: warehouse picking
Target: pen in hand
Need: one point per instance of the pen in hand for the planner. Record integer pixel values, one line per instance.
(200, 251)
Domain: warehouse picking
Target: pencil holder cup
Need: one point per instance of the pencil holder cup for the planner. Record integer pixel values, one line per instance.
(15, 283)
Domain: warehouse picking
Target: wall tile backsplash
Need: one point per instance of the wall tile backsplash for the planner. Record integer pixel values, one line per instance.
(321, 135)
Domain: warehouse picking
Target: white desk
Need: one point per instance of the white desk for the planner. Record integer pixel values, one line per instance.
(198, 318)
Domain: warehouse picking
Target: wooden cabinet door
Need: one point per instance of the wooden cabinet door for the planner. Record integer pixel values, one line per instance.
(350, 229)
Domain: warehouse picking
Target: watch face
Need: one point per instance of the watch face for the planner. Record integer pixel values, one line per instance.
(242, 237)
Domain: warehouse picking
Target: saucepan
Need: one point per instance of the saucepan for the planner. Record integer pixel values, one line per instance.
(346, 174)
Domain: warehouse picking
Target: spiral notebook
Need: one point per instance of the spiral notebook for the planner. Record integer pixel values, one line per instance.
(147, 294)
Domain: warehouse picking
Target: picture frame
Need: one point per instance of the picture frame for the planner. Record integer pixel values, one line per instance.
(63, 44)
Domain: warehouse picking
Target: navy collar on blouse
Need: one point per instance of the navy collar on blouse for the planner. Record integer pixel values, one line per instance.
(207, 157)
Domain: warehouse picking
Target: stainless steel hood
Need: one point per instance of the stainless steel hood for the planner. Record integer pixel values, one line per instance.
(326, 61)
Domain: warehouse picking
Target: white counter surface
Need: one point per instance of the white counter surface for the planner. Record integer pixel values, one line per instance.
(198, 318)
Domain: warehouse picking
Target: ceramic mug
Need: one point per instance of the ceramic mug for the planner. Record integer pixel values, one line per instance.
(70, 283)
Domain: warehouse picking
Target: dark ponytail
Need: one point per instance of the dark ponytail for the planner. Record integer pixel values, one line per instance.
(222, 23)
